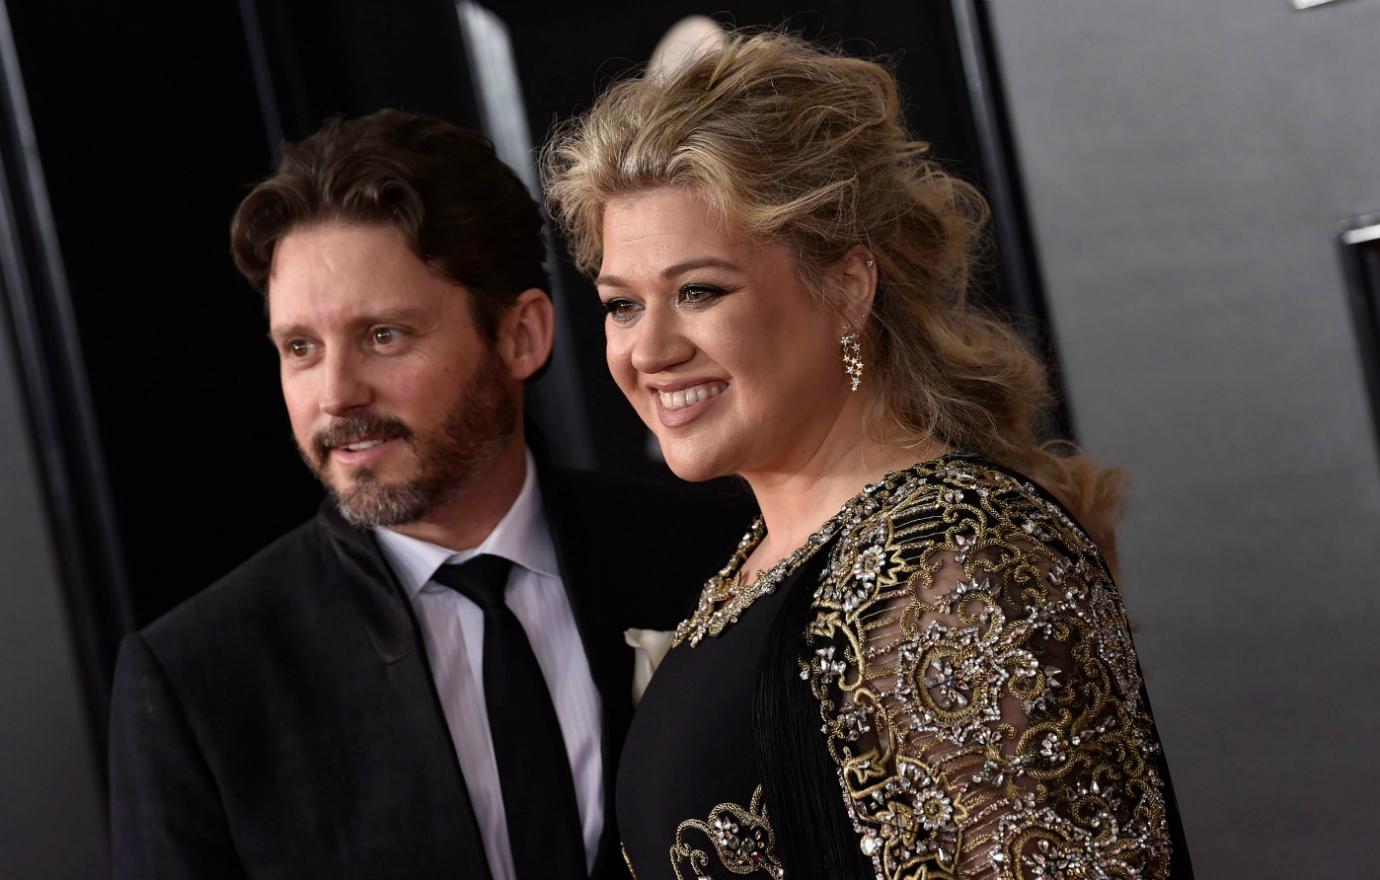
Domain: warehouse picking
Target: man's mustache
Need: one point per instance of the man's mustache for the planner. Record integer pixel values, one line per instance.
(354, 430)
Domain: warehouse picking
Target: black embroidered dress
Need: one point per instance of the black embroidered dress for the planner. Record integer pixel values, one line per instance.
(972, 679)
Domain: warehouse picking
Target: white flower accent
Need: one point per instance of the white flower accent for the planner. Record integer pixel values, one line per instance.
(649, 646)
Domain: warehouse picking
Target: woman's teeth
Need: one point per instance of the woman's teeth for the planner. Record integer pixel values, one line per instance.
(692, 396)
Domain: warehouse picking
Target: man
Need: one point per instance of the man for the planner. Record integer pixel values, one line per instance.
(428, 678)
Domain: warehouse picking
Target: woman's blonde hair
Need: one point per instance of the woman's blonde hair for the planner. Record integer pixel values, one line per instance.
(809, 147)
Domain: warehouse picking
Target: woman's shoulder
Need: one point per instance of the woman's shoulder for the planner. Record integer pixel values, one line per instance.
(967, 645)
(948, 532)
(958, 504)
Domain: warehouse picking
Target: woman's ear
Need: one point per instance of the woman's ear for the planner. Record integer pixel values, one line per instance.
(855, 278)
(526, 332)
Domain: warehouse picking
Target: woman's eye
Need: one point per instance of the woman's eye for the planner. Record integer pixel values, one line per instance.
(621, 310)
(699, 294)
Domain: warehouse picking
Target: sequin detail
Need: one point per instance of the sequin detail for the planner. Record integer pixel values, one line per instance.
(741, 838)
(978, 687)
(725, 597)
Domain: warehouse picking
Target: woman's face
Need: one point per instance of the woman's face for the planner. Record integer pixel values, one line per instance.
(715, 340)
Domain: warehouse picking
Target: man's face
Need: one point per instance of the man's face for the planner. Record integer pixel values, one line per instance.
(396, 399)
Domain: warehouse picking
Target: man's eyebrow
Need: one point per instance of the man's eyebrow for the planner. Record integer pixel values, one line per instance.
(383, 316)
(276, 333)
(672, 271)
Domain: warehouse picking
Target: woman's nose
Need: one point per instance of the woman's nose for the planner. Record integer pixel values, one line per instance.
(661, 342)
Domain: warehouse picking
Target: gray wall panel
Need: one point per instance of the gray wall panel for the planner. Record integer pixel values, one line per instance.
(51, 819)
(1187, 164)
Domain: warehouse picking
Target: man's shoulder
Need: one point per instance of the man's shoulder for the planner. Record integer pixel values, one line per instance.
(261, 590)
(593, 492)
(643, 546)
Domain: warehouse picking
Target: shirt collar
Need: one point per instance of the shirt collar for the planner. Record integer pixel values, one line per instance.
(521, 536)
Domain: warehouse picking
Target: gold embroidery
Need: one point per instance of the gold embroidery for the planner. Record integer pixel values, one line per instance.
(725, 597)
(742, 839)
(979, 690)
(627, 861)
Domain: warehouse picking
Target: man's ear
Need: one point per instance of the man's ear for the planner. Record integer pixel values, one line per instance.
(526, 332)
(855, 278)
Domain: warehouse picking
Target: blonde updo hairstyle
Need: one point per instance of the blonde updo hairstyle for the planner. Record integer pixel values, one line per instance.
(809, 147)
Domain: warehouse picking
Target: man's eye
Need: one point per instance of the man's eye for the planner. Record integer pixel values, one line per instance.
(298, 348)
(384, 335)
(621, 310)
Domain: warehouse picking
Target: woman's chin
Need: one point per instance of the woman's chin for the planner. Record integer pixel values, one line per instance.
(692, 465)
(692, 473)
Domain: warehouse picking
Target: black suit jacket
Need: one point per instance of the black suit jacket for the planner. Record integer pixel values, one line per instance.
(284, 722)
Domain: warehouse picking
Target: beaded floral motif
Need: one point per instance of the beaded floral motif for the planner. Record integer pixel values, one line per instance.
(742, 839)
(979, 689)
(725, 597)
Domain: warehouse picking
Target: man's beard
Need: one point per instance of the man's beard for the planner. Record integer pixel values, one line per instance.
(475, 432)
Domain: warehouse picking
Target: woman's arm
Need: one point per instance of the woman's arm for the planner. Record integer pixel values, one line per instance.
(980, 693)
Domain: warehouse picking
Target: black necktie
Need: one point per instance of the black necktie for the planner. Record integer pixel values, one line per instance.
(538, 792)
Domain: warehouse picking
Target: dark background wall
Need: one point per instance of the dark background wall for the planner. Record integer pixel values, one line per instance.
(149, 129)
(51, 814)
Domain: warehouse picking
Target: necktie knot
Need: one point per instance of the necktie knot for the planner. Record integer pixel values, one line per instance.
(482, 579)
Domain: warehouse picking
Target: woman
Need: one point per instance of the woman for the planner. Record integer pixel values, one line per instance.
(916, 663)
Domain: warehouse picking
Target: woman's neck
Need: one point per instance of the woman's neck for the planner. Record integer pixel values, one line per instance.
(795, 502)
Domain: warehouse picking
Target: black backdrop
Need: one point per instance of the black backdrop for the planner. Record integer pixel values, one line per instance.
(152, 118)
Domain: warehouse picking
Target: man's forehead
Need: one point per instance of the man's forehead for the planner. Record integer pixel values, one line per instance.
(335, 253)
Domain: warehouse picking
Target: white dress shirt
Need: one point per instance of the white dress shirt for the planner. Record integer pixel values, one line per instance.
(453, 628)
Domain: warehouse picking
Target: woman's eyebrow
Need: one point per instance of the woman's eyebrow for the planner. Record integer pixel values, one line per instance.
(672, 271)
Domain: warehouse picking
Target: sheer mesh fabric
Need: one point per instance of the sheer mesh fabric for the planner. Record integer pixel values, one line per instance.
(978, 687)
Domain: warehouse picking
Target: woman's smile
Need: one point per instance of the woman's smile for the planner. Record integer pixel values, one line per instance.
(679, 403)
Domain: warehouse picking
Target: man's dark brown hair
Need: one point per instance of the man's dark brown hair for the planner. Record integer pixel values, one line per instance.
(464, 212)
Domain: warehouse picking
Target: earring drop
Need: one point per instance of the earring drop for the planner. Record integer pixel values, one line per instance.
(852, 359)
(869, 262)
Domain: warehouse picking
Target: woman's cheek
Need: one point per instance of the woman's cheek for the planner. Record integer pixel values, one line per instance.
(619, 359)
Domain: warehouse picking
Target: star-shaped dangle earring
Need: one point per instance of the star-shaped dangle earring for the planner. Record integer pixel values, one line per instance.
(852, 359)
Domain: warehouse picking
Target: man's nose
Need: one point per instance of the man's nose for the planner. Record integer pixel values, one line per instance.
(345, 386)
(661, 342)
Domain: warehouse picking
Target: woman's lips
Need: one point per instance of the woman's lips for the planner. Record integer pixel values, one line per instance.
(690, 396)
(686, 403)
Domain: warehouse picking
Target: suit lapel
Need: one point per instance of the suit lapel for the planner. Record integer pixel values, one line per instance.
(395, 634)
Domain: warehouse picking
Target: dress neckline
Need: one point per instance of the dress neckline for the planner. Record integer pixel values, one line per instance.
(725, 596)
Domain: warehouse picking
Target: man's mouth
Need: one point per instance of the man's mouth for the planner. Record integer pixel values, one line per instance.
(366, 452)
(358, 440)
(361, 445)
